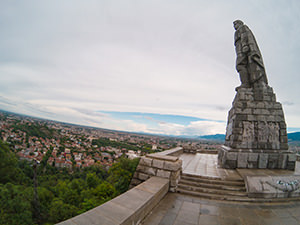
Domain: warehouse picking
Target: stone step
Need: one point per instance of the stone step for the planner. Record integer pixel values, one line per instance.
(209, 180)
(215, 196)
(236, 179)
(212, 190)
(213, 186)
(237, 198)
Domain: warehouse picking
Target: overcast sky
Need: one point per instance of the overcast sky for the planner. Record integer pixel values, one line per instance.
(80, 61)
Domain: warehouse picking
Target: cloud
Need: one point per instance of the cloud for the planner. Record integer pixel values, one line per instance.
(195, 128)
(287, 103)
(67, 61)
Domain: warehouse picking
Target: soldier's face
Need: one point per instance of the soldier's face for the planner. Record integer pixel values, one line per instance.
(236, 25)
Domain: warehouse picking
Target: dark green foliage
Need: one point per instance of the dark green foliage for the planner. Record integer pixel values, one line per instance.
(92, 180)
(61, 194)
(120, 173)
(60, 211)
(15, 204)
(45, 197)
(8, 164)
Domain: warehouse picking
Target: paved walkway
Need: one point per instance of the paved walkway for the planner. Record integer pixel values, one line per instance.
(207, 165)
(179, 209)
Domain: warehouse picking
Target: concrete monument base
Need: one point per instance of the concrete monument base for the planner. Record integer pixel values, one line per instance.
(256, 134)
(256, 159)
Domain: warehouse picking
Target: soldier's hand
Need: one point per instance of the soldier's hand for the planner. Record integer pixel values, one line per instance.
(245, 49)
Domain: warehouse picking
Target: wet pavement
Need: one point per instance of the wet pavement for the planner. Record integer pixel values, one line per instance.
(179, 209)
(207, 165)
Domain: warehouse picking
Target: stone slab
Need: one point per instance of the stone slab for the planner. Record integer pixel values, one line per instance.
(163, 173)
(218, 212)
(173, 166)
(163, 157)
(146, 161)
(153, 185)
(273, 186)
(157, 163)
(171, 152)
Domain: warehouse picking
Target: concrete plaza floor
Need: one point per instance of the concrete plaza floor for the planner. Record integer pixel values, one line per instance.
(206, 165)
(180, 209)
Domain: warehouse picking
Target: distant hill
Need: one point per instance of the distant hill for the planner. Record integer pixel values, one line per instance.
(294, 136)
(215, 137)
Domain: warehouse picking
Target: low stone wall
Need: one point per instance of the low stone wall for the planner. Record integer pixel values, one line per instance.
(127, 209)
(163, 164)
(198, 150)
(171, 152)
(190, 150)
(205, 151)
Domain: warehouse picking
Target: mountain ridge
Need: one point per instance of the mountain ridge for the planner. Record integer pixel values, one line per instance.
(292, 137)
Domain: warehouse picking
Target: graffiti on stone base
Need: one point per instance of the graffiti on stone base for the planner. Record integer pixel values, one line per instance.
(285, 186)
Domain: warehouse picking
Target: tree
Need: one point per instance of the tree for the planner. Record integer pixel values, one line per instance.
(92, 180)
(60, 211)
(61, 194)
(14, 204)
(120, 173)
(96, 196)
(45, 198)
(8, 164)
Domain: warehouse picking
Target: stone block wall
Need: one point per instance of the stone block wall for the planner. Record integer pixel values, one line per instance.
(160, 165)
(190, 150)
(256, 135)
(231, 159)
(256, 121)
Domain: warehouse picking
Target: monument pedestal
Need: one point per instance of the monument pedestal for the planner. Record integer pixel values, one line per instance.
(229, 158)
(256, 134)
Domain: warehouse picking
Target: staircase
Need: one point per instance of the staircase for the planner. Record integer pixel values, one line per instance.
(218, 189)
(212, 188)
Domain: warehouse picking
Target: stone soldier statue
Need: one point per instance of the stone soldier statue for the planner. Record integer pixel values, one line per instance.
(256, 135)
(249, 62)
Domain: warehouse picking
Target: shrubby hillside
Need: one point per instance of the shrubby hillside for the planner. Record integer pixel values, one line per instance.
(60, 193)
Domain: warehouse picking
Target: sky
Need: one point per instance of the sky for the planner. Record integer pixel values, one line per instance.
(163, 67)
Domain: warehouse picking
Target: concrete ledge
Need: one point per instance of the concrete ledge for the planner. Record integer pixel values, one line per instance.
(163, 157)
(127, 209)
(171, 152)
